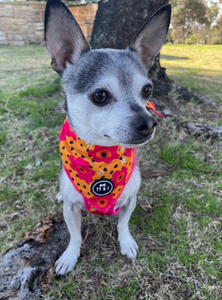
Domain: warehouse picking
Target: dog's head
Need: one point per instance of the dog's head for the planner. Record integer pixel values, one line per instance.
(106, 90)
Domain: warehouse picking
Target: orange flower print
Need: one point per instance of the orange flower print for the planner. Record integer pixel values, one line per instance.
(82, 168)
(102, 203)
(119, 177)
(104, 154)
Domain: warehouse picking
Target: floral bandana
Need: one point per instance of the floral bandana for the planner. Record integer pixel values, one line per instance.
(98, 173)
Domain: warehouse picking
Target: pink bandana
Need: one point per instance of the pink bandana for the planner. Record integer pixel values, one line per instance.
(98, 173)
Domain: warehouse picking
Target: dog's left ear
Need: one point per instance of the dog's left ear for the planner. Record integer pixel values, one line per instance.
(150, 38)
(63, 36)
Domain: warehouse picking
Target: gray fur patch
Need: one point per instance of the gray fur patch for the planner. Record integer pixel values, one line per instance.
(96, 64)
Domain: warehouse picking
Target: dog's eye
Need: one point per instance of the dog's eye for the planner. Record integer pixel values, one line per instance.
(100, 96)
(146, 91)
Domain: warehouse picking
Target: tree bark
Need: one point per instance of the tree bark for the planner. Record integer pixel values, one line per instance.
(118, 21)
(183, 38)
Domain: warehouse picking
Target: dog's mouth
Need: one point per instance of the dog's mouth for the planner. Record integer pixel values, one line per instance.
(132, 142)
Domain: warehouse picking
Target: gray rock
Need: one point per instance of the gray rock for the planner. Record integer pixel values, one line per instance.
(167, 112)
(210, 101)
(208, 130)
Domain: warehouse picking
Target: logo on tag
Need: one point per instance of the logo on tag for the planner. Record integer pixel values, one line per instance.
(102, 187)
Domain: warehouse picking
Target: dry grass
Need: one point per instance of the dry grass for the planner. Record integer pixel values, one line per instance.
(177, 222)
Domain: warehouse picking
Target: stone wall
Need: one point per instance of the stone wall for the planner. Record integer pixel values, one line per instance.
(22, 23)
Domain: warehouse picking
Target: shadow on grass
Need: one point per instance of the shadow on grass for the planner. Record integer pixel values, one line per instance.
(171, 57)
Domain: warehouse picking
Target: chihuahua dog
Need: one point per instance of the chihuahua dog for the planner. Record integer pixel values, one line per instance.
(106, 93)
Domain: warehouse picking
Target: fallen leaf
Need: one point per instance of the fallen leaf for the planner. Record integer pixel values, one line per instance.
(102, 281)
(160, 204)
(46, 284)
(41, 231)
(146, 207)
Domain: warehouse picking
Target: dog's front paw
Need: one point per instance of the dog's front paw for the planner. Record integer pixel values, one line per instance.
(67, 261)
(128, 246)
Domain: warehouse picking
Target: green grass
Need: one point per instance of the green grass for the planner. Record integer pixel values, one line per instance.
(22, 67)
(179, 234)
(198, 68)
(29, 162)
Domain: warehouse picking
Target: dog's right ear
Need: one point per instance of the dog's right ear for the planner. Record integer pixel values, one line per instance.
(63, 36)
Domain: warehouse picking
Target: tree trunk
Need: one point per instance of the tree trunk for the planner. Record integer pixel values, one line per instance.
(117, 22)
(183, 38)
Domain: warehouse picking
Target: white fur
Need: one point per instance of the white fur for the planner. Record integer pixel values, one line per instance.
(73, 203)
(123, 74)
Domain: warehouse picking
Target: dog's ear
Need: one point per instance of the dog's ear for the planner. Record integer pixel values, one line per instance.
(63, 36)
(150, 38)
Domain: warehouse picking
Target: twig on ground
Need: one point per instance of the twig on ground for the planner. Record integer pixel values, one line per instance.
(20, 181)
(156, 242)
(208, 147)
(154, 248)
(109, 235)
(43, 133)
(215, 112)
(44, 150)
(9, 110)
(163, 142)
(14, 174)
(35, 153)
(203, 170)
(211, 175)
(85, 237)
(153, 174)
(192, 121)
(16, 154)
(164, 162)
(18, 194)
(45, 174)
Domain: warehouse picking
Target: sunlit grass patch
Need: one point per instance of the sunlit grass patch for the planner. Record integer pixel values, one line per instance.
(196, 67)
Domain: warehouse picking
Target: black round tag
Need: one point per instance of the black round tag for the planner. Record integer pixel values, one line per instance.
(102, 187)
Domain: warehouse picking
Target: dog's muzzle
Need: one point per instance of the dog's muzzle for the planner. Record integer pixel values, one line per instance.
(144, 126)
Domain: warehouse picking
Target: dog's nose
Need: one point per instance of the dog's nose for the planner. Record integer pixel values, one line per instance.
(144, 126)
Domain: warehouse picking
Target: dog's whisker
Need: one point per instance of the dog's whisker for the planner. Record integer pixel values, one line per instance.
(115, 133)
